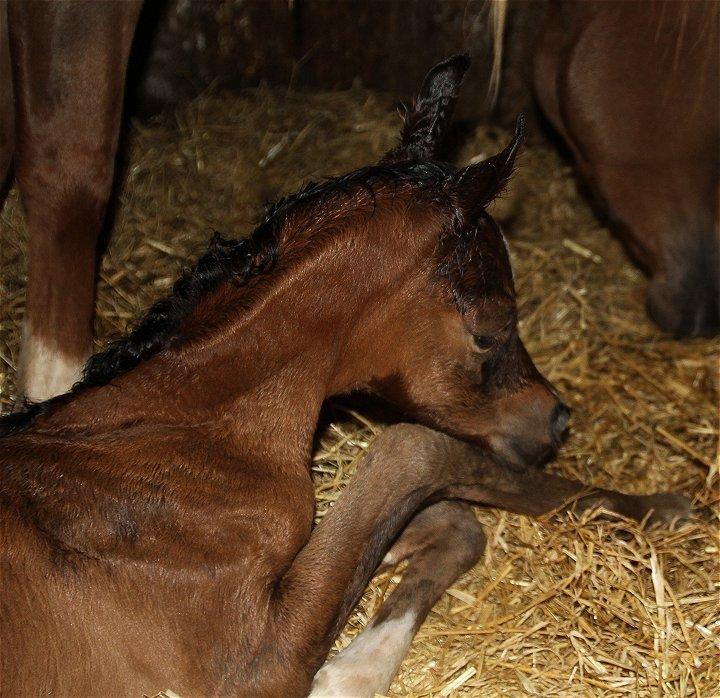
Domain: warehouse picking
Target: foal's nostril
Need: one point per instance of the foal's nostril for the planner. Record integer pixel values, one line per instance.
(559, 421)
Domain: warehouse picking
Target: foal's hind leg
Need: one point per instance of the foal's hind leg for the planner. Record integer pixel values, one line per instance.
(440, 543)
(69, 62)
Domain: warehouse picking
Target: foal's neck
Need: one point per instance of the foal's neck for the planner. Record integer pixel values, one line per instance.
(243, 363)
(255, 362)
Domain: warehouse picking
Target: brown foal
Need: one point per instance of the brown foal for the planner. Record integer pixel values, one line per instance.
(156, 522)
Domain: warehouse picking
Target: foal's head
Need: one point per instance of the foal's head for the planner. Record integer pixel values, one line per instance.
(392, 279)
(446, 347)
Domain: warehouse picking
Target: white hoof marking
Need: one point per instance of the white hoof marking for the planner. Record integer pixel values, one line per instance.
(390, 560)
(45, 370)
(369, 664)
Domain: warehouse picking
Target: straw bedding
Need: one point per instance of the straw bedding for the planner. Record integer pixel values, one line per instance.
(560, 607)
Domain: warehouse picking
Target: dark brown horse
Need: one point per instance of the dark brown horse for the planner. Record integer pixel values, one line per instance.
(156, 522)
(634, 90)
(62, 77)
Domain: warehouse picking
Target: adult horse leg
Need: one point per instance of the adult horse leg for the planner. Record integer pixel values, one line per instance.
(408, 468)
(7, 117)
(546, 69)
(69, 62)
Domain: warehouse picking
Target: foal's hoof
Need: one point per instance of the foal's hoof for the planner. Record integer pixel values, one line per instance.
(667, 509)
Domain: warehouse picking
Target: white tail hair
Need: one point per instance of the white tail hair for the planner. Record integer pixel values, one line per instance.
(497, 17)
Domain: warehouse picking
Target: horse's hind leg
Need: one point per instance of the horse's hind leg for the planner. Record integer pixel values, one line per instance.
(440, 543)
(69, 61)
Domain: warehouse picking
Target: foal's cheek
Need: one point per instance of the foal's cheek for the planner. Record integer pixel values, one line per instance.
(467, 415)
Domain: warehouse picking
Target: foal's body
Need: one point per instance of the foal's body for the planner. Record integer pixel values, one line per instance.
(216, 586)
(156, 523)
(143, 591)
(166, 536)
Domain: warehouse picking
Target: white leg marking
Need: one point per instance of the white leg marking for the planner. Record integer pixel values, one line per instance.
(390, 558)
(45, 370)
(369, 664)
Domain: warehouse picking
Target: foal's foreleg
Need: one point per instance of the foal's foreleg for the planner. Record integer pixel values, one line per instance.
(536, 492)
(443, 541)
(408, 468)
(69, 61)
(440, 543)
(396, 479)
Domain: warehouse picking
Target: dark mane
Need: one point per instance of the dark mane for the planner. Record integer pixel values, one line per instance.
(237, 260)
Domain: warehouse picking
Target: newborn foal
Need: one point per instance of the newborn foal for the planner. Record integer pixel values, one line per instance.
(156, 522)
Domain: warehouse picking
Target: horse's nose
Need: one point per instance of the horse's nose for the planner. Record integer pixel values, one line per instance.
(559, 421)
(699, 317)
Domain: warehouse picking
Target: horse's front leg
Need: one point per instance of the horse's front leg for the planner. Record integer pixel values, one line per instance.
(7, 114)
(69, 61)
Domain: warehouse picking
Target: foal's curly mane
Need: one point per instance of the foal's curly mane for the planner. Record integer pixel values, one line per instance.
(238, 261)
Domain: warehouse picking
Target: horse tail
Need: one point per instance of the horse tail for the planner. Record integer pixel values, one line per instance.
(497, 18)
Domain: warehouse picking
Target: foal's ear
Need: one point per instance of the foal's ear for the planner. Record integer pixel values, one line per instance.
(477, 185)
(427, 119)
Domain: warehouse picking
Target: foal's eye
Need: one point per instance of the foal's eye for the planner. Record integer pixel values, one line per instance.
(484, 341)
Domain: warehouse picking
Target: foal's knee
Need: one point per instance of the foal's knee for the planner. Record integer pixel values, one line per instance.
(404, 434)
(412, 444)
(465, 535)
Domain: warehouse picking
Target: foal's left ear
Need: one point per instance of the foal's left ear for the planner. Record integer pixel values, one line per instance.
(477, 185)
(427, 119)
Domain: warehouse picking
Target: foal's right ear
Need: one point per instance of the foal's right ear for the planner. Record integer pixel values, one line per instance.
(427, 119)
(475, 186)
